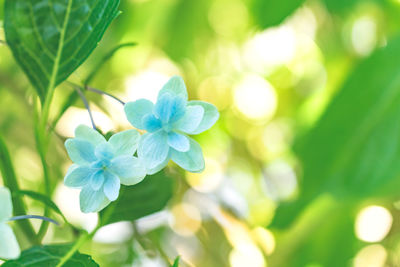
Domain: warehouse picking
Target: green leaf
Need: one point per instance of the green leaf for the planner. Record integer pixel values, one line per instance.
(273, 12)
(176, 262)
(50, 256)
(42, 198)
(10, 181)
(51, 39)
(147, 197)
(107, 57)
(354, 150)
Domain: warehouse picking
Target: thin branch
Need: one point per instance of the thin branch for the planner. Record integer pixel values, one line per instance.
(97, 91)
(85, 102)
(23, 217)
(3, 42)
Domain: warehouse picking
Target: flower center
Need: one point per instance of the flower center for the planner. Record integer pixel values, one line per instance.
(102, 164)
(166, 127)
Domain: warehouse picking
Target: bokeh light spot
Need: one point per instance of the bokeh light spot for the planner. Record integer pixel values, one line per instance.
(363, 35)
(255, 98)
(373, 223)
(371, 256)
(246, 254)
(209, 179)
(186, 219)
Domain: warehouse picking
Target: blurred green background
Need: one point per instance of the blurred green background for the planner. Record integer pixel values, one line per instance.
(303, 167)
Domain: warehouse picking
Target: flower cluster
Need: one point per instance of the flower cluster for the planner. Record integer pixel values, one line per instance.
(9, 248)
(100, 166)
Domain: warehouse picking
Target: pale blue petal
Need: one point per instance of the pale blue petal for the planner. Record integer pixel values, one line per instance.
(159, 167)
(6, 209)
(211, 115)
(125, 143)
(191, 160)
(151, 123)
(191, 120)
(170, 108)
(111, 186)
(80, 151)
(78, 176)
(135, 111)
(153, 148)
(104, 151)
(89, 134)
(92, 201)
(97, 180)
(130, 170)
(178, 142)
(9, 248)
(175, 86)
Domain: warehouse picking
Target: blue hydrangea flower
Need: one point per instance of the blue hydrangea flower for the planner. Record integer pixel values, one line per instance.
(9, 248)
(168, 124)
(100, 166)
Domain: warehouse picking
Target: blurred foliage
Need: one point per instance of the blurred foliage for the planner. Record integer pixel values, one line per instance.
(307, 141)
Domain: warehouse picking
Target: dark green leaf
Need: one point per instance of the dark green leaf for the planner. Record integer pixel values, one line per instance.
(42, 198)
(147, 197)
(354, 150)
(272, 12)
(51, 39)
(50, 256)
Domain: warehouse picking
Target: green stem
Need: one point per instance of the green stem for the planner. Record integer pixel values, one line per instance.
(82, 239)
(41, 136)
(10, 181)
(44, 225)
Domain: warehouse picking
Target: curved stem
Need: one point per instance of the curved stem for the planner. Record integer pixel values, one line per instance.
(82, 239)
(97, 91)
(86, 103)
(23, 217)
